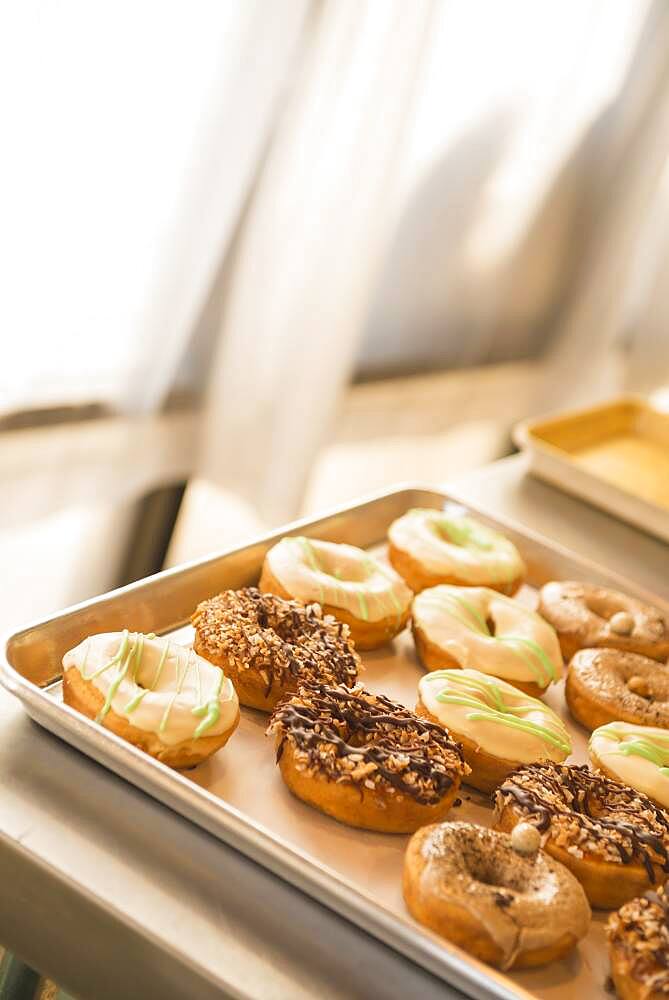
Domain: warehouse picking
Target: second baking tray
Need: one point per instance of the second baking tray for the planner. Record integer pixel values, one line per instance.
(614, 455)
(238, 794)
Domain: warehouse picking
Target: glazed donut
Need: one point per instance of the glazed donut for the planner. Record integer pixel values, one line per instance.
(479, 628)
(638, 939)
(473, 888)
(428, 547)
(268, 646)
(607, 685)
(156, 694)
(365, 760)
(585, 616)
(637, 756)
(613, 839)
(498, 726)
(349, 583)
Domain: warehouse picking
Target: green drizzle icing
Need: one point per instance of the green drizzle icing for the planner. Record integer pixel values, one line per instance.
(467, 533)
(544, 670)
(211, 710)
(177, 691)
(653, 750)
(137, 700)
(498, 710)
(122, 659)
(343, 588)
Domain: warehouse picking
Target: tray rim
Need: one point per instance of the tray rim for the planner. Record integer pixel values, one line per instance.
(224, 821)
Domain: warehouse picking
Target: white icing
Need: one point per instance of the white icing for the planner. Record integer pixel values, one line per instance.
(498, 733)
(456, 546)
(454, 619)
(198, 682)
(342, 576)
(610, 746)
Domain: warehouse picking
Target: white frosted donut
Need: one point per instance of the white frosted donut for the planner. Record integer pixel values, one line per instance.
(637, 756)
(479, 628)
(495, 716)
(156, 685)
(429, 547)
(346, 581)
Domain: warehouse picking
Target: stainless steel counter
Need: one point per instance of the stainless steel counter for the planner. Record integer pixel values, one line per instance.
(113, 895)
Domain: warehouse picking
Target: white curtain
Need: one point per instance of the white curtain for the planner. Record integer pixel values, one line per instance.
(427, 180)
(132, 132)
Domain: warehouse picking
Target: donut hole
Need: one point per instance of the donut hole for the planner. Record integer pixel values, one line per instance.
(491, 625)
(486, 872)
(604, 606)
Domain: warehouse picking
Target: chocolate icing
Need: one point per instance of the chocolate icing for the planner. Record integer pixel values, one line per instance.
(546, 792)
(387, 742)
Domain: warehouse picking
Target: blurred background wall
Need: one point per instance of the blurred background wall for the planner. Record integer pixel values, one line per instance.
(258, 258)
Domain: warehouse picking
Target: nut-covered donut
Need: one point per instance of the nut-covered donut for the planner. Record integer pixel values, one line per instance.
(509, 909)
(585, 616)
(607, 685)
(268, 646)
(638, 939)
(364, 759)
(613, 839)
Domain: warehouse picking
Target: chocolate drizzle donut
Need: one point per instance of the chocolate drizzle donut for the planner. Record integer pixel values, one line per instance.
(268, 646)
(365, 759)
(613, 838)
(638, 938)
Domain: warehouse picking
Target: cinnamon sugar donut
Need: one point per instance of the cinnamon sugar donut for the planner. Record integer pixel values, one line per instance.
(473, 888)
(607, 685)
(268, 646)
(585, 616)
(638, 939)
(364, 759)
(613, 839)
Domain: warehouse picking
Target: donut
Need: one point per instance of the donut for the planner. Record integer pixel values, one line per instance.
(158, 695)
(428, 547)
(477, 627)
(498, 726)
(346, 581)
(268, 646)
(636, 755)
(613, 839)
(585, 616)
(365, 760)
(607, 685)
(509, 909)
(638, 941)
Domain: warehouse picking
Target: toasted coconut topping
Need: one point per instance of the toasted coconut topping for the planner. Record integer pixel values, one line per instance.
(640, 929)
(280, 639)
(587, 814)
(368, 740)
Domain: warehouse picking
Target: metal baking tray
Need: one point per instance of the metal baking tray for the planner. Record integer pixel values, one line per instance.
(238, 794)
(614, 455)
